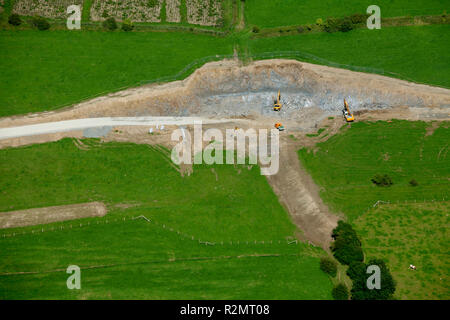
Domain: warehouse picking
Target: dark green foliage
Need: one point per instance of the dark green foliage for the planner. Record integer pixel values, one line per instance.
(328, 266)
(331, 25)
(358, 18)
(127, 25)
(360, 290)
(340, 292)
(345, 25)
(255, 29)
(14, 19)
(382, 180)
(347, 246)
(110, 24)
(356, 269)
(413, 183)
(152, 3)
(40, 23)
(338, 24)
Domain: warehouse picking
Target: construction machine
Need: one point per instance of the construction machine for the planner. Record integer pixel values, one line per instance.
(279, 126)
(347, 114)
(277, 103)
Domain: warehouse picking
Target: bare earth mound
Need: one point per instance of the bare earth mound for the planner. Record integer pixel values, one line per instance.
(30, 217)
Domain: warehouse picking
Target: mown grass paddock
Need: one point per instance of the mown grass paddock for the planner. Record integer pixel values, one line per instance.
(411, 233)
(403, 224)
(217, 241)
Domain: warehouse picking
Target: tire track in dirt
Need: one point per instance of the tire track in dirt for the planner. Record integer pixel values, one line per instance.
(300, 195)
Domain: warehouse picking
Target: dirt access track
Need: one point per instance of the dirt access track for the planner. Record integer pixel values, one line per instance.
(243, 96)
(30, 217)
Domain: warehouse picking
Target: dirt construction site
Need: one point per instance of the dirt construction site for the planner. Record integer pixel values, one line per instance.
(229, 95)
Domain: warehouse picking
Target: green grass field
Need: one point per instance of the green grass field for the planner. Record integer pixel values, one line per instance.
(417, 53)
(413, 233)
(46, 70)
(345, 164)
(413, 227)
(274, 13)
(149, 260)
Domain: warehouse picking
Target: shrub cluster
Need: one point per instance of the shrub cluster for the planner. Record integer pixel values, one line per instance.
(110, 24)
(340, 292)
(40, 23)
(329, 266)
(382, 180)
(343, 24)
(127, 25)
(347, 247)
(14, 19)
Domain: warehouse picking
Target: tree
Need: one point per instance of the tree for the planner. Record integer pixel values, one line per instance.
(328, 266)
(340, 292)
(127, 25)
(382, 180)
(14, 19)
(360, 291)
(40, 23)
(110, 24)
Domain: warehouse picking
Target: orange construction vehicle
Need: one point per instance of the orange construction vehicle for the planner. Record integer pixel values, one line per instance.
(347, 114)
(279, 126)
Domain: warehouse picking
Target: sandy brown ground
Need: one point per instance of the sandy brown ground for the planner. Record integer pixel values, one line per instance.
(29, 217)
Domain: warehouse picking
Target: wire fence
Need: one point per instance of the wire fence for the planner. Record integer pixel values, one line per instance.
(191, 67)
(185, 236)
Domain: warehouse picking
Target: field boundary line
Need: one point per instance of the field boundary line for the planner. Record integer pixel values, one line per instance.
(289, 240)
(254, 255)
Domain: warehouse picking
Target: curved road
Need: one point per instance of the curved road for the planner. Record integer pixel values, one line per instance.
(81, 124)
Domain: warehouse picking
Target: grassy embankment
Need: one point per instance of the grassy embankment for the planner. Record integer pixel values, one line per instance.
(149, 260)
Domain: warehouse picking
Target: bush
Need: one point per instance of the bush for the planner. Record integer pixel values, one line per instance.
(413, 183)
(14, 19)
(340, 292)
(40, 23)
(345, 25)
(332, 25)
(358, 18)
(328, 266)
(110, 24)
(127, 25)
(300, 29)
(347, 246)
(382, 180)
(319, 22)
(255, 29)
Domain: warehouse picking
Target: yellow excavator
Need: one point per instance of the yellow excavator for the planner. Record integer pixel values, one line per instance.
(347, 114)
(277, 103)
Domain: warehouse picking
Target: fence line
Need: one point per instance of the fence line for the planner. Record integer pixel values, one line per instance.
(380, 202)
(185, 236)
(197, 63)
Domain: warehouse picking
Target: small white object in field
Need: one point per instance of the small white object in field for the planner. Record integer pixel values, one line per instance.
(150, 130)
(162, 127)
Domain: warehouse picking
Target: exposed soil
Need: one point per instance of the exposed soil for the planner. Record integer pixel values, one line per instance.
(30, 217)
